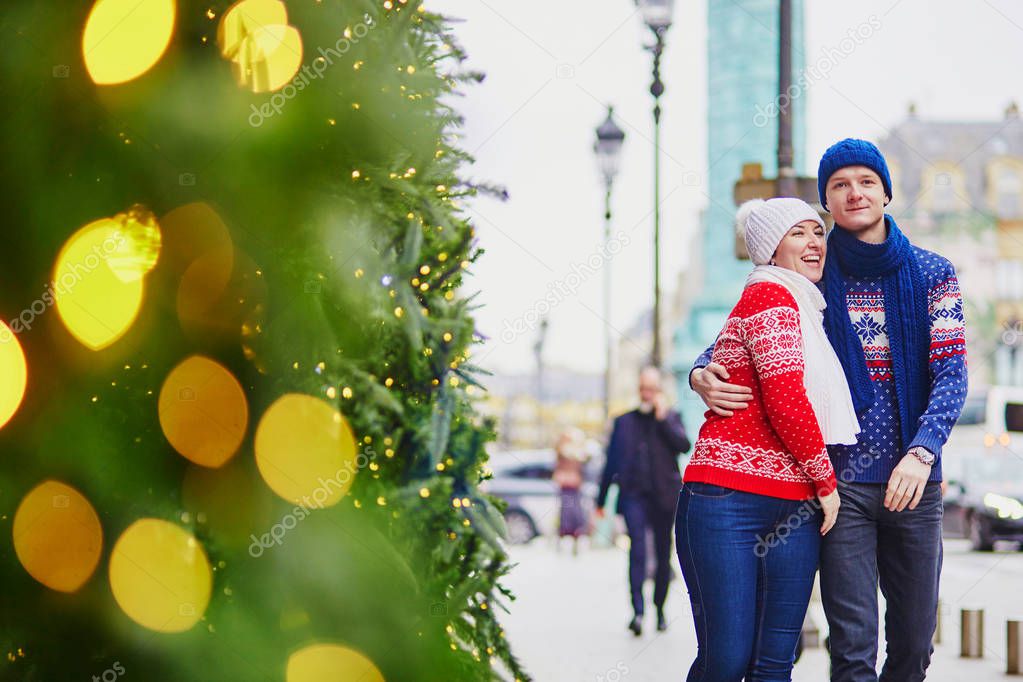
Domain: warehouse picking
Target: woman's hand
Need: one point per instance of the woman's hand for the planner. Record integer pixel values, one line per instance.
(829, 505)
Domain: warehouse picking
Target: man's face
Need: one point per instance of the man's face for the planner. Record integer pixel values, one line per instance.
(856, 198)
(649, 386)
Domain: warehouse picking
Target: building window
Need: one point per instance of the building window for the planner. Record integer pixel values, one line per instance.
(944, 199)
(1007, 193)
(1009, 279)
(1005, 187)
(944, 188)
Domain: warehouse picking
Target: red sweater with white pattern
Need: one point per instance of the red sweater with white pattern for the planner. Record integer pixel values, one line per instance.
(774, 447)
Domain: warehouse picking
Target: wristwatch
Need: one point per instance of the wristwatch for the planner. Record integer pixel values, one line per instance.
(923, 455)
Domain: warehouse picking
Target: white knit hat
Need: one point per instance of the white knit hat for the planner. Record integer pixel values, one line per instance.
(765, 223)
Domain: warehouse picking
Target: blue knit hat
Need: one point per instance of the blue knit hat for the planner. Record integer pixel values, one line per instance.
(851, 152)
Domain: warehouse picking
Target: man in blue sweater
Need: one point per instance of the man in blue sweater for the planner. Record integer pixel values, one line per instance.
(895, 319)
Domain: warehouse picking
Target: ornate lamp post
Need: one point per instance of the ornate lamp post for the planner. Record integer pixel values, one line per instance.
(657, 16)
(608, 149)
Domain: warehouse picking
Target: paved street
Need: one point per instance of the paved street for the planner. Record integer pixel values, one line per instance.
(569, 620)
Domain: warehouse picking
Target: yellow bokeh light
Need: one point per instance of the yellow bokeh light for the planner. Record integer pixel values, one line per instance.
(264, 50)
(305, 451)
(14, 370)
(218, 285)
(124, 38)
(160, 576)
(242, 19)
(192, 230)
(57, 536)
(269, 58)
(331, 662)
(201, 287)
(95, 304)
(203, 411)
(136, 254)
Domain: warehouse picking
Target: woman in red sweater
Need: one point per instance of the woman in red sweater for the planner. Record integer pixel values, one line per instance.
(760, 491)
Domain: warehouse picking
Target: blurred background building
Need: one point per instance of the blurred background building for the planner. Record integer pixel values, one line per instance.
(527, 420)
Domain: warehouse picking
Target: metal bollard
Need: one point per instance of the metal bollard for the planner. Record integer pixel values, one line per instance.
(937, 623)
(1014, 637)
(972, 642)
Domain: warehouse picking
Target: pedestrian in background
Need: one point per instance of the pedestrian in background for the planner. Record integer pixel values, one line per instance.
(568, 475)
(642, 458)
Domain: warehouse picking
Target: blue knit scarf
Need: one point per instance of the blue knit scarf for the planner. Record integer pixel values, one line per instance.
(907, 319)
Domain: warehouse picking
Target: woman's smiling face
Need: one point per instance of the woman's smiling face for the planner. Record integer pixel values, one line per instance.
(803, 249)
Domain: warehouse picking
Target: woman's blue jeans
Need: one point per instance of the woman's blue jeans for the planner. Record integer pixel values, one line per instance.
(749, 562)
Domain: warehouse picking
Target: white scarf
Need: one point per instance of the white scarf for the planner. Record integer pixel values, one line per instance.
(823, 377)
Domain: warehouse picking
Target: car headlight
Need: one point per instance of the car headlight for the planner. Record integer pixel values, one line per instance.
(1007, 507)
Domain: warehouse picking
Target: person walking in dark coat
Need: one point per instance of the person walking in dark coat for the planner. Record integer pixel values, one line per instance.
(642, 458)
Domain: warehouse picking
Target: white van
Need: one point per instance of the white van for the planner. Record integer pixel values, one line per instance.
(991, 422)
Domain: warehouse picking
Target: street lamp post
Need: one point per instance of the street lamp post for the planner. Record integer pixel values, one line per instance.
(657, 16)
(788, 184)
(541, 339)
(608, 149)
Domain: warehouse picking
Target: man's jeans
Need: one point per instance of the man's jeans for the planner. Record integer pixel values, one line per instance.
(903, 551)
(641, 513)
(749, 562)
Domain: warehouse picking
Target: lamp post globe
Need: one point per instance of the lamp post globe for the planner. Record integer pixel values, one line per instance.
(656, 13)
(608, 147)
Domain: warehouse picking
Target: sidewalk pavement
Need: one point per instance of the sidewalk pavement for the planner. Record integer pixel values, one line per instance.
(568, 624)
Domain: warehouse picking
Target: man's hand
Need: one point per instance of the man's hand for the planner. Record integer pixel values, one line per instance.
(660, 406)
(721, 397)
(599, 512)
(906, 486)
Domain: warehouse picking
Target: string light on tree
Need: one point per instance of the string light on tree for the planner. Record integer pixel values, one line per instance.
(97, 303)
(300, 442)
(125, 38)
(203, 411)
(57, 536)
(14, 369)
(160, 576)
(265, 52)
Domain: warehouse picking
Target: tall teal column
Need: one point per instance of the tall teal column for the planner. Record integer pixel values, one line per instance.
(742, 85)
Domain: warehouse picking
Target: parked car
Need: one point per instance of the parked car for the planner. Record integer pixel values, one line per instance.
(523, 479)
(984, 500)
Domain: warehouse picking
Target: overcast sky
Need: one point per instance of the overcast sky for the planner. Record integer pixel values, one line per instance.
(553, 65)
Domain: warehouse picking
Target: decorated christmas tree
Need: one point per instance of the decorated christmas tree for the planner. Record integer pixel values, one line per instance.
(238, 436)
